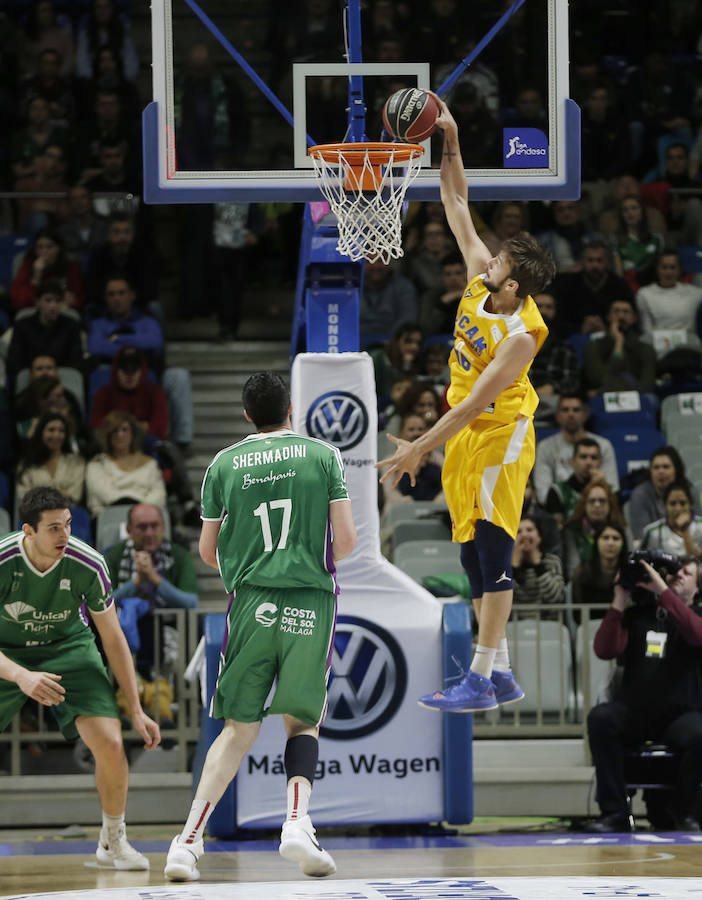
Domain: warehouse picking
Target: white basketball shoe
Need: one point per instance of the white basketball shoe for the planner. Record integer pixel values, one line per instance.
(299, 844)
(117, 853)
(181, 863)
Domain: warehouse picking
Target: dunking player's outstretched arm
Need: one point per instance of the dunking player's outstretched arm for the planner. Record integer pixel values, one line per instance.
(454, 196)
(511, 356)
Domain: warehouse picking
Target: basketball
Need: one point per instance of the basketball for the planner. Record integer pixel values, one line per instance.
(410, 115)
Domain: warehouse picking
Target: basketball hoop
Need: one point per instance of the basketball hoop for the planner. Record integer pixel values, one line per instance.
(365, 187)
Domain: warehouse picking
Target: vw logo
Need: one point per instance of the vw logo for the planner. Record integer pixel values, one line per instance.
(339, 418)
(367, 682)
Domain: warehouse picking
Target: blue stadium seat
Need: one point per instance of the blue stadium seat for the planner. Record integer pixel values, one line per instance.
(602, 418)
(80, 524)
(691, 258)
(633, 446)
(577, 341)
(12, 245)
(4, 491)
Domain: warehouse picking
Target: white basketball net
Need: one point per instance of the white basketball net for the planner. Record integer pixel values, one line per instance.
(369, 222)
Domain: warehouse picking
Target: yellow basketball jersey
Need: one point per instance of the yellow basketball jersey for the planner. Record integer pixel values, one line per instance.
(477, 335)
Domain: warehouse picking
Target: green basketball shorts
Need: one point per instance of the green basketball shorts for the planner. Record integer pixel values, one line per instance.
(89, 691)
(284, 634)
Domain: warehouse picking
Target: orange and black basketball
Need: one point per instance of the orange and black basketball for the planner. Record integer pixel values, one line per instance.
(410, 115)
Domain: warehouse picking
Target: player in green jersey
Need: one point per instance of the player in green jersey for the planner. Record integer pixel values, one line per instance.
(48, 580)
(276, 517)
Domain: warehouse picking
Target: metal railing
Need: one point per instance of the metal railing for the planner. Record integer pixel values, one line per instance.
(550, 651)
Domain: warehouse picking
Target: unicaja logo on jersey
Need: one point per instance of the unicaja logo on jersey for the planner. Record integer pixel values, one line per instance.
(15, 610)
(525, 148)
(368, 679)
(339, 418)
(266, 614)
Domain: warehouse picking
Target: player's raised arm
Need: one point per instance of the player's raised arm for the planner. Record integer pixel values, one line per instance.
(454, 196)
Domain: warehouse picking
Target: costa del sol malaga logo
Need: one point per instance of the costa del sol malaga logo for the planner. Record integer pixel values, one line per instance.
(339, 418)
(368, 679)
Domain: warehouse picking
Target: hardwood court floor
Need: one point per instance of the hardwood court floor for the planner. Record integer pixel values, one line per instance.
(32, 862)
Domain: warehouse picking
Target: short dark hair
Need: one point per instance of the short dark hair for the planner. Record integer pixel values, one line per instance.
(38, 500)
(586, 442)
(266, 399)
(50, 286)
(675, 458)
(452, 259)
(532, 263)
(628, 300)
(677, 486)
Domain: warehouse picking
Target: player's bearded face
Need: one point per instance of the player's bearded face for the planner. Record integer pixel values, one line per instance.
(498, 273)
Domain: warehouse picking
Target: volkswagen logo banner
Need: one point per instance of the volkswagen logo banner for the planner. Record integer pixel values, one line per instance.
(338, 418)
(368, 679)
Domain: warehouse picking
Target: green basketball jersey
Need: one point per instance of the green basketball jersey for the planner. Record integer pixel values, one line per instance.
(271, 492)
(48, 607)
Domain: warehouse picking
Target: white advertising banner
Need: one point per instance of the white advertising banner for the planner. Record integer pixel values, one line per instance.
(380, 754)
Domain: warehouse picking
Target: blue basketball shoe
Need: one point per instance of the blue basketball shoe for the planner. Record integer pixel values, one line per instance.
(473, 694)
(507, 688)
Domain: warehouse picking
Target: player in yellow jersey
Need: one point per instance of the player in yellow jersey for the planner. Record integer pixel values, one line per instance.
(488, 431)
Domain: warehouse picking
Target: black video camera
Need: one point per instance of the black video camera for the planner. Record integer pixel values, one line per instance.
(631, 571)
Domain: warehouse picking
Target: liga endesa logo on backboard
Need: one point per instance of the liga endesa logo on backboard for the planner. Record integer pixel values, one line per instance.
(524, 148)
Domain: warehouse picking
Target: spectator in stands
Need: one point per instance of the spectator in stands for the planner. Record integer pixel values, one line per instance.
(108, 125)
(399, 357)
(606, 149)
(548, 527)
(420, 214)
(584, 297)
(628, 186)
(567, 235)
(538, 576)
(109, 78)
(131, 391)
(45, 392)
(236, 229)
(47, 177)
(387, 299)
(103, 26)
(554, 372)
(646, 503)
(116, 177)
(508, 220)
(668, 303)
(49, 461)
(683, 212)
(47, 330)
(422, 400)
(122, 473)
(122, 254)
(53, 87)
(619, 361)
(428, 477)
(150, 566)
(29, 142)
(554, 454)
(594, 580)
(123, 325)
(635, 247)
(82, 229)
(43, 29)
(439, 304)
(477, 134)
(563, 496)
(423, 264)
(528, 111)
(659, 698)
(681, 530)
(46, 260)
(434, 365)
(206, 118)
(597, 504)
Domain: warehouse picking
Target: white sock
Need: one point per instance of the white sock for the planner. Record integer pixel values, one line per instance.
(502, 663)
(112, 825)
(483, 660)
(194, 828)
(298, 798)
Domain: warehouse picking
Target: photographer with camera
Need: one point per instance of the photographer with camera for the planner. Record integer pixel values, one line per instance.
(657, 640)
